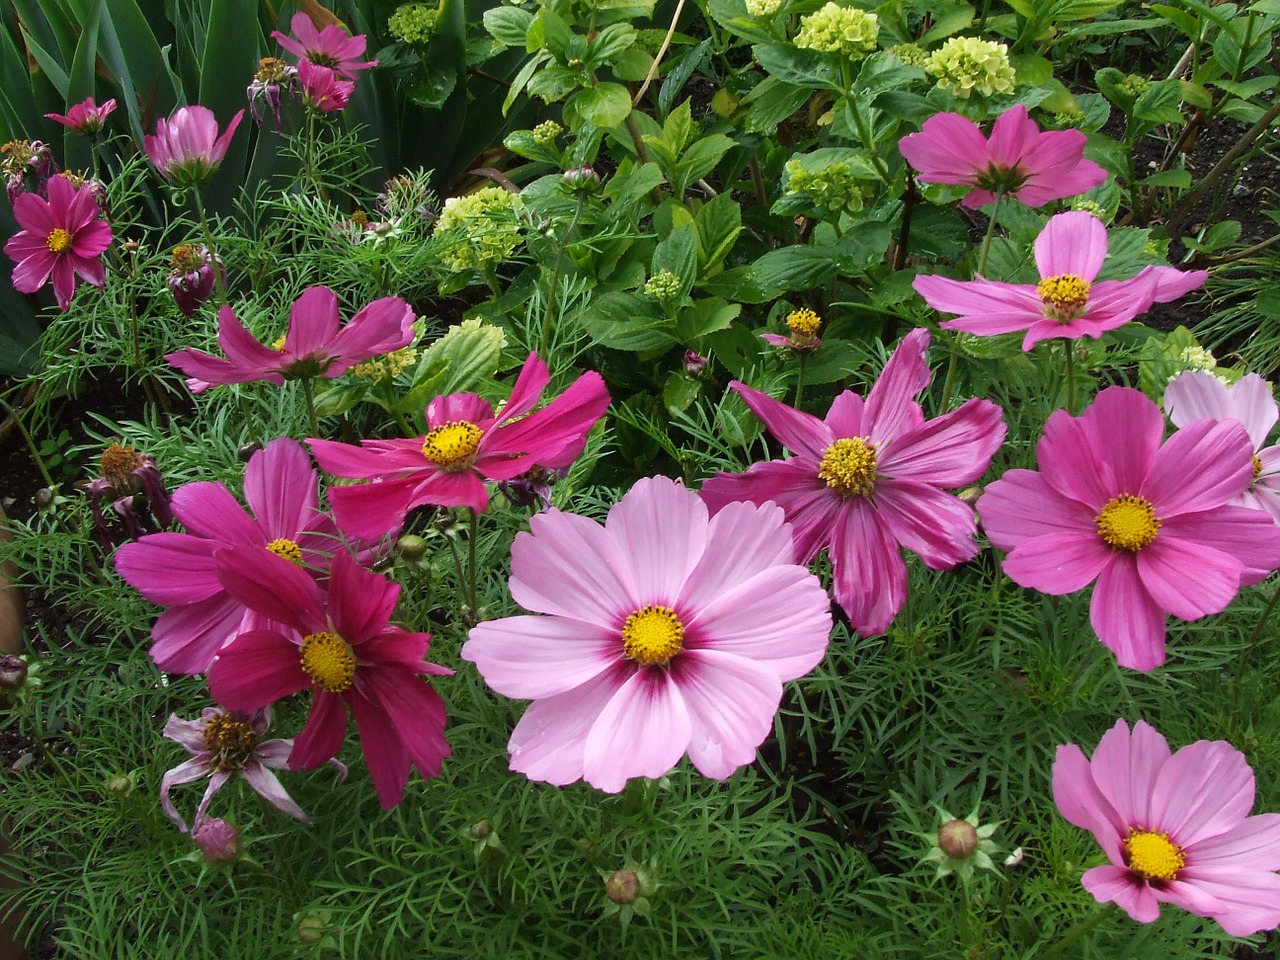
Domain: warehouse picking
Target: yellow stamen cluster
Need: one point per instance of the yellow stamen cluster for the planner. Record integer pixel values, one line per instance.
(59, 240)
(329, 661)
(1128, 523)
(272, 70)
(186, 258)
(451, 446)
(230, 742)
(652, 635)
(1064, 296)
(1257, 467)
(803, 324)
(278, 343)
(118, 461)
(849, 467)
(1153, 855)
(288, 549)
(359, 218)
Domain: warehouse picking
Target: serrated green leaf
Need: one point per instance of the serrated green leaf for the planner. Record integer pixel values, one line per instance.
(605, 105)
(804, 68)
(677, 253)
(508, 25)
(1178, 179)
(625, 321)
(704, 317)
(718, 222)
(461, 360)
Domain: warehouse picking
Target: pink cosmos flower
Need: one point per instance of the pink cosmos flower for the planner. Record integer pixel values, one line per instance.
(664, 632)
(331, 47)
(321, 88)
(466, 443)
(1197, 395)
(1176, 828)
(186, 148)
(62, 237)
(176, 570)
(869, 480)
(343, 649)
(1151, 523)
(1066, 303)
(85, 117)
(1017, 161)
(223, 745)
(313, 347)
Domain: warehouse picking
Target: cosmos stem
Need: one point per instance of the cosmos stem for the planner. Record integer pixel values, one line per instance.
(309, 393)
(198, 203)
(1078, 931)
(986, 241)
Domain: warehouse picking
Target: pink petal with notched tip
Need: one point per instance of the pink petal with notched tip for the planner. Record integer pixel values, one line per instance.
(662, 531)
(1125, 618)
(811, 507)
(888, 409)
(567, 565)
(643, 731)
(1073, 243)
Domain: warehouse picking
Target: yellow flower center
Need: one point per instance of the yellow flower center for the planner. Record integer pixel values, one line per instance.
(59, 240)
(287, 549)
(329, 661)
(803, 324)
(849, 467)
(271, 70)
(1064, 296)
(452, 446)
(1257, 467)
(653, 635)
(1154, 855)
(230, 742)
(1128, 523)
(118, 461)
(278, 343)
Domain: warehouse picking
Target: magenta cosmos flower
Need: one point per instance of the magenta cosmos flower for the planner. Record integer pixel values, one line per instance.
(664, 632)
(316, 345)
(1196, 395)
(176, 570)
(321, 89)
(85, 117)
(186, 148)
(223, 745)
(62, 237)
(1066, 303)
(331, 47)
(1176, 828)
(870, 479)
(342, 648)
(466, 443)
(1018, 161)
(1151, 523)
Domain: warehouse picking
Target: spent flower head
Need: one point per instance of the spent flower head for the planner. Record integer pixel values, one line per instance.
(192, 274)
(274, 78)
(847, 31)
(964, 65)
(25, 159)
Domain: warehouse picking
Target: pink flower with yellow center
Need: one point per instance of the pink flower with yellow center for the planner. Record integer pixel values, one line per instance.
(1018, 160)
(1067, 303)
(342, 647)
(62, 237)
(1149, 520)
(321, 89)
(661, 632)
(466, 444)
(1175, 826)
(868, 480)
(332, 47)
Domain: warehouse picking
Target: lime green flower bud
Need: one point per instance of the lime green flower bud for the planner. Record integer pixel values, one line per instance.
(414, 23)
(485, 224)
(912, 54)
(835, 29)
(965, 64)
(833, 188)
(664, 286)
(763, 8)
(1135, 85)
(546, 133)
(1091, 206)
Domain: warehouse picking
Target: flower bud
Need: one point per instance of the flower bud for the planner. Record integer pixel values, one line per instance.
(218, 840)
(970, 495)
(694, 363)
(582, 178)
(622, 887)
(481, 829)
(248, 450)
(958, 839)
(411, 546)
(13, 672)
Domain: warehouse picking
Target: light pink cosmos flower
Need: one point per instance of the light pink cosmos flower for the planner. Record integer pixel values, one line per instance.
(321, 89)
(466, 443)
(331, 47)
(1151, 523)
(1197, 395)
(1018, 161)
(1176, 828)
(62, 237)
(869, 480)
(186, 148)
(1066, 303)
(343, 649)
(176, 570)
(85, 117)
(664, 632)
(315, 345)
(223, 745)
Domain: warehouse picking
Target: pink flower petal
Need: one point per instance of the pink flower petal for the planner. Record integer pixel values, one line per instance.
(731, 703)
(1125, 767)
(811, 507)
(1125, 617)
(267, 786)
(326, 728)
(384, 752)
(280, 488)
(642, 732)
(905, 375)
(743, 539)
(1201, 793)
(209, 510)
(1072, 243)
(662, 531)
(169, 568)
(568, 566)
(1081, 802)
(937, 526)
(257, 668)
(1223, 461)
(415, 713)
(1187, 579)
(1119, 885)
(534, 658)
(272, 586)
(360, 602)
(185, 639)
(1058, 563)
(1021, 505)
(313, 323)
(947, 451)
(798, 432)
(869, 577)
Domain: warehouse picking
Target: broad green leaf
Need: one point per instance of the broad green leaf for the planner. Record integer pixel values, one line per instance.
(461, 360)
(699, 160)
(795, 267)
(678, 254)
(704, 317)
(1178, 179)
(605, 105)
(610, 42)
(679, 75)
(509, 25)
(947, 21)
(625, 321)
(770, 102)
(341, 397)
(719, 222)
(1081, 9)
(733, 16)
(804, 68)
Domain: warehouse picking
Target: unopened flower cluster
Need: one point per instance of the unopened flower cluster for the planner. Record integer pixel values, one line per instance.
(835, 187)
(414, 22)
(487, 224)
(763, 8)
(835, 29)
(966, 64)
(664, 286)
(389, 366)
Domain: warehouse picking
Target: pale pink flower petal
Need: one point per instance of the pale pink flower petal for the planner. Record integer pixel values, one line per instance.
(731, 702)
(642, 732)
(1074, 242)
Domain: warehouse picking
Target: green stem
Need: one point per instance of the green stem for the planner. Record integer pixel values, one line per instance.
(309, 393)
(1242, 662)
(472, 576)
(1070, 371)
(799, 379)
(31, 445)
(1078, 931)
(248, 420)
(209, 245)
(986, 241)
(545, 346)
(950, 377)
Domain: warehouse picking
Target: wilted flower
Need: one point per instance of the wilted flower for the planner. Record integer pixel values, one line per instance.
(218, 840)
(274, 76)
(186, 148)
(1175, 826)
(331, 47)
(19, 678)
(62, 237)
(485, 225)
(321, 89)
(408, 193)
(23, 158)
(222, 745)
(965, 64)
(414, 22)
(13, 672)
(85, 117)
(847, 31)
(532, 486)
(656, 634)
(191, 276)
(125, 473)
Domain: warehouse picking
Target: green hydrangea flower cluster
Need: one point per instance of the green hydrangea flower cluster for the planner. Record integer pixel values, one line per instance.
(489, 223)
(1134, 85)
(835, 29)
(1090, 206)
(763, 8)
(1198, 358)
(664, 286)
(965, 64)
(388, 366)
(832, 188)
(1067, 119)
(912, 54)
(546, 133)
(414, 22)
